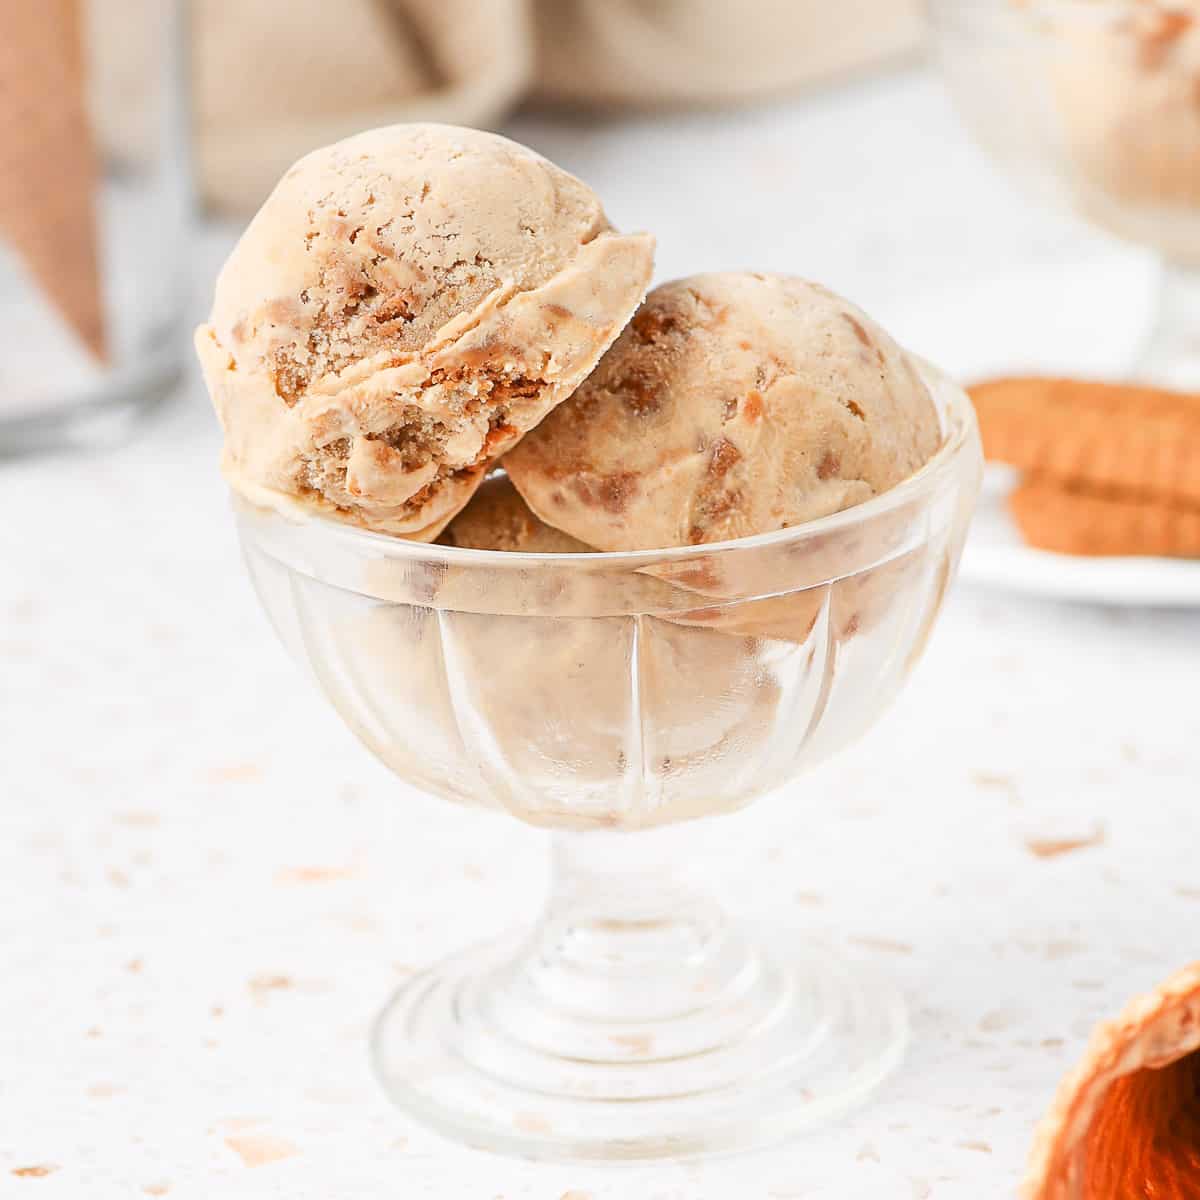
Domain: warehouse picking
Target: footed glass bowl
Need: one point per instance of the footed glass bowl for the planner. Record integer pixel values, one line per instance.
(1094, 105)
(616, 698)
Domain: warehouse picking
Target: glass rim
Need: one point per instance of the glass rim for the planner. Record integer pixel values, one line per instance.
(958, 425)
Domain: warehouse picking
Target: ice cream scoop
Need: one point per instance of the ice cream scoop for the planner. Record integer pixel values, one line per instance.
(732, 405)
(406, 304)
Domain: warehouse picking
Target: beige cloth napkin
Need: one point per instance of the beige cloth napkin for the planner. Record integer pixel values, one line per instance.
(709, 51)
(275, 78)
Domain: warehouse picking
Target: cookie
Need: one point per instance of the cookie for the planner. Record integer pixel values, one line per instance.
(1139, 440)
(1071, 520)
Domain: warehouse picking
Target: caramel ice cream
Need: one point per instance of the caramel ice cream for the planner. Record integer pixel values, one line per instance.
(406, 304)
(732, 405)
(586, 689)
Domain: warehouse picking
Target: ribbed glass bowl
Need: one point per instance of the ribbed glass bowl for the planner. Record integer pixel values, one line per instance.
(605, 695)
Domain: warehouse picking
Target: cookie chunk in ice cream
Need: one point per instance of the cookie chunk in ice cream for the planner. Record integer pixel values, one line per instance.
(406, 304)
(731, 405)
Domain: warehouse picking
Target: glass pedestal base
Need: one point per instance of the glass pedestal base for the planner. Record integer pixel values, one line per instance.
(564, 1048)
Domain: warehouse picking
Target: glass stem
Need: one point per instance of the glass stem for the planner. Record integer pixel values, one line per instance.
(627, 935)
(1171, 354)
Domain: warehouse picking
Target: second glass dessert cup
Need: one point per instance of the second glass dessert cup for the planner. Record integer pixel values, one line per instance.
(615, 698)
(1092, 104)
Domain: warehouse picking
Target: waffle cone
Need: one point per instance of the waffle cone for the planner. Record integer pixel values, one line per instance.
(1126, 1121)
(48, 166)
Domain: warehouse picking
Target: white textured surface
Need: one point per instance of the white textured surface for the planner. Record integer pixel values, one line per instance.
(207, 888)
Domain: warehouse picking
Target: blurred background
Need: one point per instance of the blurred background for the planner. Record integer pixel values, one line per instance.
(1009, 187)
(778, 135)
(769, 134)
(925, 161)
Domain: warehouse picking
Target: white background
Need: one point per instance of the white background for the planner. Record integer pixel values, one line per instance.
(207, 888)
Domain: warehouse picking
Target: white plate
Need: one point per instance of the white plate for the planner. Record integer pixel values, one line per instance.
(995, 555)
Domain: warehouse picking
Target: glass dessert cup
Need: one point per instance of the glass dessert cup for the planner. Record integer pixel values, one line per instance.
(616, 699)
(1092, 104)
